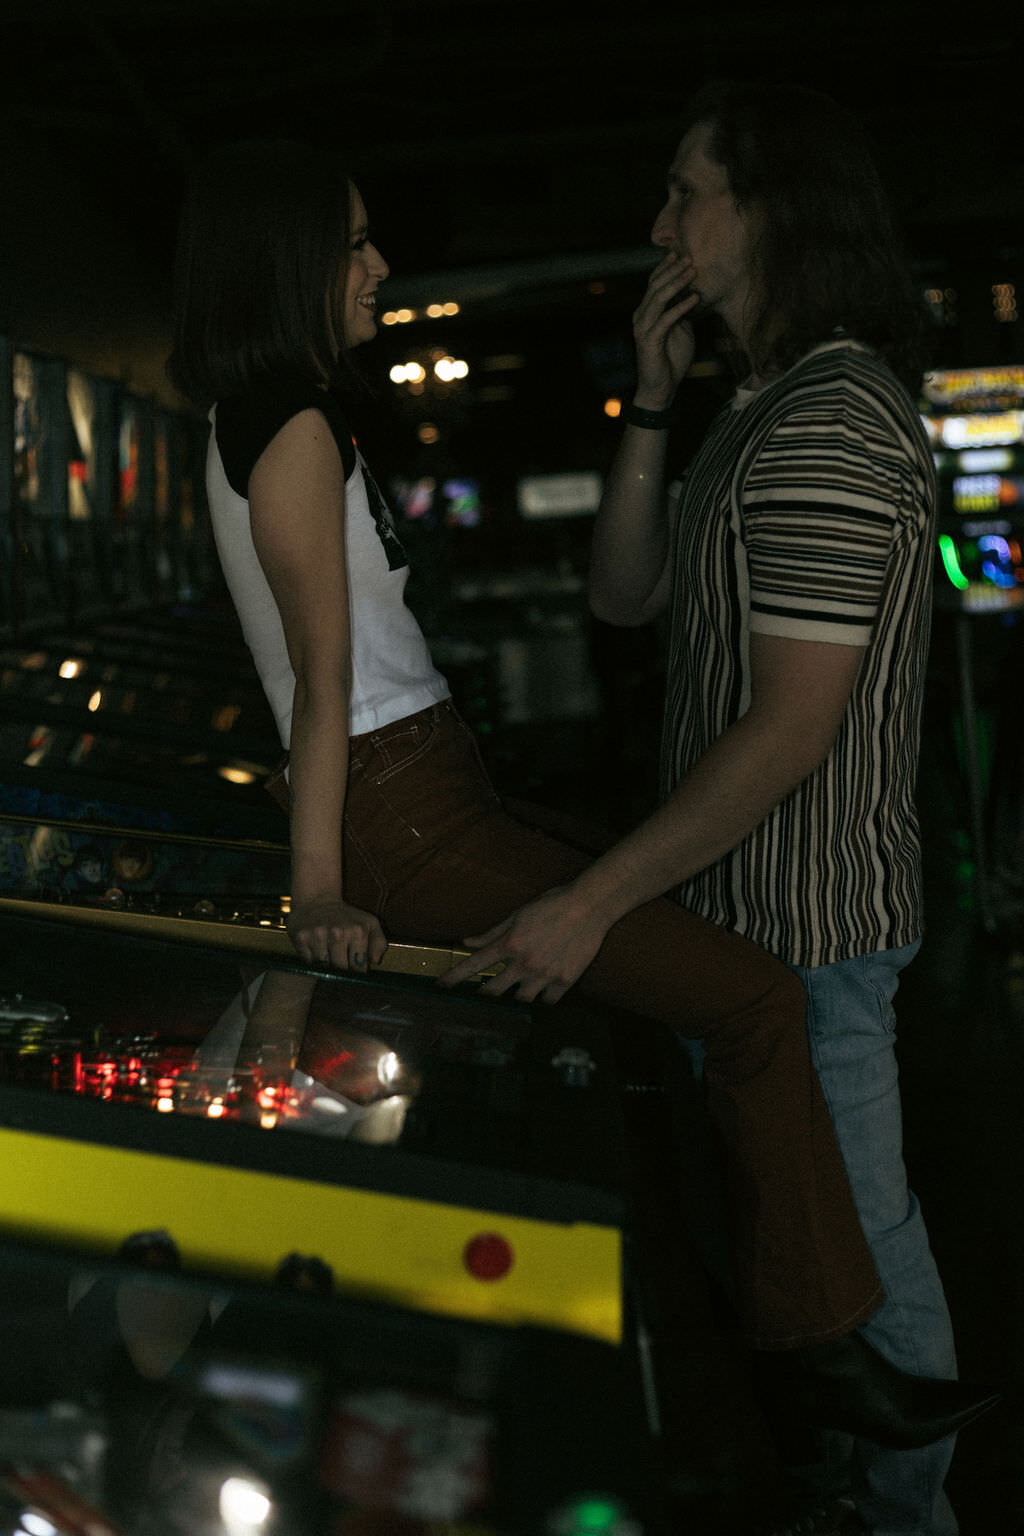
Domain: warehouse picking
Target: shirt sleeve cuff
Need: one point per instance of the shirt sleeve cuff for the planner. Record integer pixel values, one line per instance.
(791, 627)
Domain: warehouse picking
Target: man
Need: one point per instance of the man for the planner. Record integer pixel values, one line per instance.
(801, 560)
(796, 572)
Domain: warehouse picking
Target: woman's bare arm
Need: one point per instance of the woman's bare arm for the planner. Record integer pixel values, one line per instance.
(297, 510)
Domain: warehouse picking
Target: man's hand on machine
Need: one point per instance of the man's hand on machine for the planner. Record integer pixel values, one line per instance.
(327, 931)
(543, 949)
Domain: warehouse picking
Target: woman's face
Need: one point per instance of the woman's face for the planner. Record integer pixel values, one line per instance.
(366, 270)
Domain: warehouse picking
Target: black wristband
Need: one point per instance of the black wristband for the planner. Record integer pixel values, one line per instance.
(658, 421)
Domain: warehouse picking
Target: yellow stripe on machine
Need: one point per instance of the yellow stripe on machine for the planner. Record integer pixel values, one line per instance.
(241, 1222)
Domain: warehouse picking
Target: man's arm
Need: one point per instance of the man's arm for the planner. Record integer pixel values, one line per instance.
(630, 568)
(799, 691)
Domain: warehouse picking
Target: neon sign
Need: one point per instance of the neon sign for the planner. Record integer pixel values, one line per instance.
(986, 493)
(980, 431)
(976, 389)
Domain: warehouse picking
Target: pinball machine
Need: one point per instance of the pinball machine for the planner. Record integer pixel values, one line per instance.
(387, 1226)
(156, 725)
(974, 418)
(200, 705)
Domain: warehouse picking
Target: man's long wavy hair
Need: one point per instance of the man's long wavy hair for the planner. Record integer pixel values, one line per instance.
(828, 256)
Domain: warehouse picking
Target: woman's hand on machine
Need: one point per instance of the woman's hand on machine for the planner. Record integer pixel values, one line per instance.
(543, 949)
(328, 931)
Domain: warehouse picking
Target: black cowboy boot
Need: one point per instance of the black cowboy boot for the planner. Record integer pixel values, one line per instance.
(846, 1384)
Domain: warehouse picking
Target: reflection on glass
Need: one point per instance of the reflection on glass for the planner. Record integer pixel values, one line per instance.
(275, 1058)
(128, 461)
(81, 466)
(28, 430)
(39, 744)
(272, 1048)
(244, 1506)
(37, 1525)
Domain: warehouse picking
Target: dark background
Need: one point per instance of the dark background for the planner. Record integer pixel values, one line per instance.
(512, 157)
(483, 133)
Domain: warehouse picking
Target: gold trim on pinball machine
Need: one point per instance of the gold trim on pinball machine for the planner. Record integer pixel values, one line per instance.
(265, 937)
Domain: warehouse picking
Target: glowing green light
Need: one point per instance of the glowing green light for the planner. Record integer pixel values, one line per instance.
(592, 1517)
(947, 549)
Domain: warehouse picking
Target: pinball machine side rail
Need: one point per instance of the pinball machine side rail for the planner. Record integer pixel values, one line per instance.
(269, 941)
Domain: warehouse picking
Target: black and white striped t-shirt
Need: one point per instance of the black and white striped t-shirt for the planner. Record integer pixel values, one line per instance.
(809, 513)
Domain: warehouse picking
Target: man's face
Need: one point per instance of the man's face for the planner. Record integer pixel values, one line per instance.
(702, 222)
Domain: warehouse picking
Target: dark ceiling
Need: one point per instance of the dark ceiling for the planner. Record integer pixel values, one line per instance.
(485, 130)
(501, 147)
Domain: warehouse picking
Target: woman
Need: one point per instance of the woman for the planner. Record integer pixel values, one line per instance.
(393, 820)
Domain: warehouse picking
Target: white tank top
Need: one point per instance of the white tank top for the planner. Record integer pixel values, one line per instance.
(392, 673)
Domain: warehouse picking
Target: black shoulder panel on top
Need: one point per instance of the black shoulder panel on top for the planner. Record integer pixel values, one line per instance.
(247, 423)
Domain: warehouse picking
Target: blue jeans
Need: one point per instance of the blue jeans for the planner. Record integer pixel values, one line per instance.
(852, 1031)
(852, 1027)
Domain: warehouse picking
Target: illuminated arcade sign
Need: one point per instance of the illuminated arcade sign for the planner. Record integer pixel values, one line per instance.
(976, 431)
(974, 418)
(567, 495)
(985, 567)
(986, 493)
(976, 389)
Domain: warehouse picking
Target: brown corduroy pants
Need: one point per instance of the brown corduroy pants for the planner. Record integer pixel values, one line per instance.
(429, 847)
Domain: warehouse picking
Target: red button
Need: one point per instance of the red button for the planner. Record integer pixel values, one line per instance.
(488, 1256)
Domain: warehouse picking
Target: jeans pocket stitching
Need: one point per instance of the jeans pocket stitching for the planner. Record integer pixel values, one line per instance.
(410, 757)
(884, 999)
